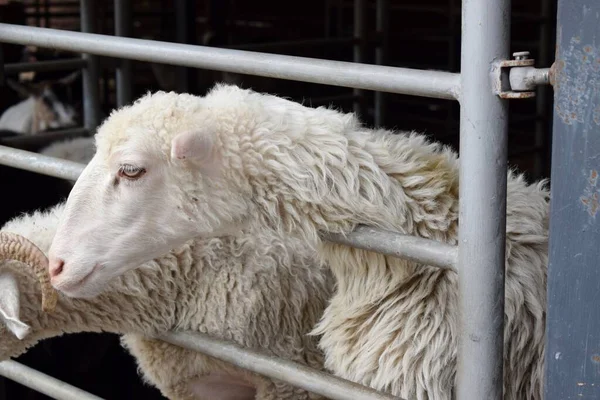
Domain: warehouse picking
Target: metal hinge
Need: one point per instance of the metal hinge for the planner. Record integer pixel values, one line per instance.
(517, 78)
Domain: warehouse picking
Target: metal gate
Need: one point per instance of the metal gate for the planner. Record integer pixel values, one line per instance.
(489, 78)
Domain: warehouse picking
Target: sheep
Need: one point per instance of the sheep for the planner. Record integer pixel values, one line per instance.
(41, 110)
(79, 149)
(262, 292)
(171, 167)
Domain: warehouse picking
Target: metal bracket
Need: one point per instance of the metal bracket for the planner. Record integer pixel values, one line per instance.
(502, 74)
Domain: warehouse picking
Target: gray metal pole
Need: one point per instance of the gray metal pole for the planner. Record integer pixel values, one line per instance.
(482, 222)
(31, 142)
(43, 383)
(39, 66)
(382, 23)
(289, 44)
(123, 23)
(40, 163)
(408, 81)
(412, 248)
(544, 60)
(360, 28)
(299, 375)
(91, 101)
(573, 320)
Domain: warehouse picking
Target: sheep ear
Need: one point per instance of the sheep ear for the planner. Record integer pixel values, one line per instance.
(10, 305)
(69, 79)
(197, 147)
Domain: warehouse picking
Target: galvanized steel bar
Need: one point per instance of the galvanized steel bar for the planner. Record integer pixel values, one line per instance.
(287, 44)
(299, 375)
(28, 142)
(482, 221)
(543, 58)
(413, 248)
(54, 65)
(123, 22)
(43, 383)
(39, 163)
(528, 78)
(408, 81)
(91, 99)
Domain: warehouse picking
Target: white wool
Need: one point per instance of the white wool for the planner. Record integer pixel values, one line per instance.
(254, 291)
(240, 161)
(79, 150)
(18, 118)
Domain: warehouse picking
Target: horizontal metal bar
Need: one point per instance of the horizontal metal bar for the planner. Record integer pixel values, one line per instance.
(417, 249)
(41, 164)
(527, 78)
(394, 244)
(296, 374)
(54, 65)
(43, 383)
(293, 43)
(408, 81)
(30, 142)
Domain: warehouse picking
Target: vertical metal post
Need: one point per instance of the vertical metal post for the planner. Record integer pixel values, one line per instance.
(573, 319)
(123, 22)
(91, 103)
(2, 72)
(541, 123)
(382, 13)
(482, 223)
(359, 48)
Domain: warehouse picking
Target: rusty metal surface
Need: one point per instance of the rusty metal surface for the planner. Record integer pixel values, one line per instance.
(573, 316)
(501, 82)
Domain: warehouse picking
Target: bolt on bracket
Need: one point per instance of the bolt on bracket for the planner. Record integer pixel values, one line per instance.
(517, 78)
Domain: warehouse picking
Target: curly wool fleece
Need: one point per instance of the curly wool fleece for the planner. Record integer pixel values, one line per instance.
(268, 164)
(260, 292)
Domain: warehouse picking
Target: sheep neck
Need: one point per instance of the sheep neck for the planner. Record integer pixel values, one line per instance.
(391, 181)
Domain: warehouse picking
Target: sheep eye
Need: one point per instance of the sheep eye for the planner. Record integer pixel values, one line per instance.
(131, 171)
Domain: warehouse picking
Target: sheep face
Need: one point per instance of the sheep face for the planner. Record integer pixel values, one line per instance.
(149, 188)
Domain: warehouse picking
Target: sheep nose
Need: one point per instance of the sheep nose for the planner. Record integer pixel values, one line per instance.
(56, 267)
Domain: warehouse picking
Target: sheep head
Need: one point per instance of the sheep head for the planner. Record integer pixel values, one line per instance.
(14, 247)
(154, 183)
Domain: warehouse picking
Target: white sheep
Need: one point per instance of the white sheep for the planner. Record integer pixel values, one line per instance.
(40, 110)
(261, 292)
(80, 149)
(174, 166)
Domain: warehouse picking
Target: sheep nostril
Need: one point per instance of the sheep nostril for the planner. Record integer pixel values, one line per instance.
(56, 267)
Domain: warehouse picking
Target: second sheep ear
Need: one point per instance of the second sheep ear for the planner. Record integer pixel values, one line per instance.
(198, 148)
(10, 305)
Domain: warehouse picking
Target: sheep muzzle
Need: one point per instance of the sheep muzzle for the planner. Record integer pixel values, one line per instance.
(17, 248)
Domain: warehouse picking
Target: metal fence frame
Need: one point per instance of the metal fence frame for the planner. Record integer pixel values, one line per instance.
(479, 257)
